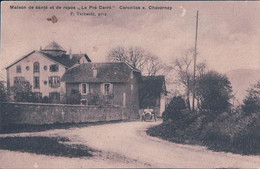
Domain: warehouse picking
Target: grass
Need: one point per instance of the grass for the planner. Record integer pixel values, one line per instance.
(53, 146)
(229, 133)
(37, 128)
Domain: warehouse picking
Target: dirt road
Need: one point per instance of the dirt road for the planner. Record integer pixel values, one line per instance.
(127, 145)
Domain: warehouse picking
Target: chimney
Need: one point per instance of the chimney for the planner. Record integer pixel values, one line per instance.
(40, 48)
(70, 54)
(94, 69)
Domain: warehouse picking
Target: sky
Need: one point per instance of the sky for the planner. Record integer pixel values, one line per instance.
(228, 34)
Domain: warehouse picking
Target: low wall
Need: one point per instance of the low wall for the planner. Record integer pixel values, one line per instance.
(1, 117)
(37, 113)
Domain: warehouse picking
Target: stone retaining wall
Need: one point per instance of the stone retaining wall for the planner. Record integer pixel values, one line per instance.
(38, 113)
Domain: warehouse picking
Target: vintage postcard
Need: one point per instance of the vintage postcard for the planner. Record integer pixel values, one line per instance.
(130, 84)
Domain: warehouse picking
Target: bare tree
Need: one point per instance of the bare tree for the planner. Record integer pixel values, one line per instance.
(134, 56)
(183, 69)
(137, 57)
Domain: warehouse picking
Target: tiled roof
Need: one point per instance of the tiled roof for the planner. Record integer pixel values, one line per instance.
(106, 72)
(65, 59)
(53, 46)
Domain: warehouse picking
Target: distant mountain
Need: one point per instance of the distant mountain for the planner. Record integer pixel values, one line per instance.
(241, 79)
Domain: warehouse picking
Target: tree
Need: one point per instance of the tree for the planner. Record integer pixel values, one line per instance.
(214, 92)
(183, 69)
(251, 104)
(3, 93)
(22, 92)
(137, 57)
(174, 110)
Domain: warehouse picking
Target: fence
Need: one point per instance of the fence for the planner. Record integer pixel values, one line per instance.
(39, 113)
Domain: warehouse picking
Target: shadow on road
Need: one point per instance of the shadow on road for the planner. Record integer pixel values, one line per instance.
(37, 128)
(53, 146)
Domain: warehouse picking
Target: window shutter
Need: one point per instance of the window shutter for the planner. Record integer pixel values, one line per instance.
(50, 82)
(87, 88)
(111, 88)
(102, 88)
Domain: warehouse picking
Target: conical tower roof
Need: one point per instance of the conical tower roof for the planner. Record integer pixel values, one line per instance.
(53, 46)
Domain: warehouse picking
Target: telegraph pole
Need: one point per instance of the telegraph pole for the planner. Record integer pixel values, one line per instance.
(195, 56)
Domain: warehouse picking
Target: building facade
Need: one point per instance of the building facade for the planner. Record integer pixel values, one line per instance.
(43, 69)
(115, 83)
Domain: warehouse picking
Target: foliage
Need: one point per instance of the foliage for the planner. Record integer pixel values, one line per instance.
(230, 132)
(22, 92)
(3, 93)
(184, 69)
(94, 99)
(213, 91)
(174, 110)
(74, 97)
(252, 100)
(45, 99)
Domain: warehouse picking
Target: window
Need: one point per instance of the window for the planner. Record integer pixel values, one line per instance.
(107, 88)
(36, 67)
(45, 67)
(36, 82)
(18, 69)
(19, 80)
(27, 68)
(84, 88)
(54, 68)
(54, 81)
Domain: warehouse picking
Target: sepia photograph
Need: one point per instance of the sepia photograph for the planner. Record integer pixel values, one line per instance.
(130, 84)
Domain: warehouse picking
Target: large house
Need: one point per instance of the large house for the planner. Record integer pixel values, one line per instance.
(116, 82)
(58, 75)
(43, 70)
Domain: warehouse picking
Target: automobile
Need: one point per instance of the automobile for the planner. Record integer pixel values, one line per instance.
(148, 115)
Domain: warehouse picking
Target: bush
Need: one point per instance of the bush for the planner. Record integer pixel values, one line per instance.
(22, 92)
(214, 92)
(74, 97)
(174, 109)
(3, 93)
(94, 99)
(252, 100)
(45, 99)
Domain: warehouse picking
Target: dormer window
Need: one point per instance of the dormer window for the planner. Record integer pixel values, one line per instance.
(36, 67)
(54, 68)
(18, 69)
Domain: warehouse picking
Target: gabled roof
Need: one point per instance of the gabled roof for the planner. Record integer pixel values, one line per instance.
(18, 60)
(106, 72)
(64, 59)
(53, 46)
